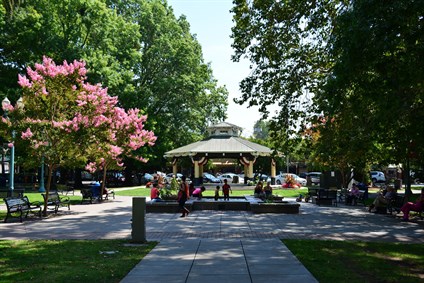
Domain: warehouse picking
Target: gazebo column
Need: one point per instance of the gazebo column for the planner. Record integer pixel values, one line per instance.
(196, 180)
(198, 169)
(201, 171)
(273, 171)
(174, 167)
(246, 172)
(250, 175)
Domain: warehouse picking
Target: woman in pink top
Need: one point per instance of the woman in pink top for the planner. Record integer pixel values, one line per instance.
(410, 206)
(198, 192)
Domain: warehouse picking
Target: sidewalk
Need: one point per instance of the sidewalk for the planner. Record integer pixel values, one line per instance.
(229, 246)
(220, 260)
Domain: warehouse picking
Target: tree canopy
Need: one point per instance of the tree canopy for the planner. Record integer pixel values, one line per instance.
(361, 61)
(138, 49)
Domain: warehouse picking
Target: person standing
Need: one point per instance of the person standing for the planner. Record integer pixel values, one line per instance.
(183, 196)
(217, 193)
(226, 190)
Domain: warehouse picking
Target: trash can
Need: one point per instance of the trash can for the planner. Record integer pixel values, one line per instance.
(235, 179)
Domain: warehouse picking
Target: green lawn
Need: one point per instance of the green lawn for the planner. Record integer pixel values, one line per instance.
(69, 260)
(345, 261)
(111, 260)
(209, 192)
(85, 261)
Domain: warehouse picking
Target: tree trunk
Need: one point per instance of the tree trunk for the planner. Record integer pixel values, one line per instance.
(77, 179)
(407, 174)
(103, 185)
(48, 185)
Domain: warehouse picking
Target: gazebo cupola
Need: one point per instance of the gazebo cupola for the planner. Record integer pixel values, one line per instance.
(224, 129)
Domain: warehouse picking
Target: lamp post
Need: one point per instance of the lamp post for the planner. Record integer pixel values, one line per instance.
(42, 189)
(5, 104)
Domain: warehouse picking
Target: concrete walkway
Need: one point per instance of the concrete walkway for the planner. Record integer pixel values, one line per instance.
(223, 246)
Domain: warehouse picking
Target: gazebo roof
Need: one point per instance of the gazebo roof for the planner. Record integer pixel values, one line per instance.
(223, 141)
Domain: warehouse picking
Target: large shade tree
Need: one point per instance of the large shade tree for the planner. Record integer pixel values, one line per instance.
(67, 30)
(379, 49)
(360, 60)
(173, 84)
(136, 48)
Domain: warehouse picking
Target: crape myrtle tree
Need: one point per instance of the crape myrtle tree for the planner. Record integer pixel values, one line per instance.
(123, 133)
(66, 120)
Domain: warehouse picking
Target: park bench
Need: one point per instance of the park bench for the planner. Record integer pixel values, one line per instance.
(19, 207)
(5, 193)
(87, 195)
(325, 197)
(57, 201)
(65, 189)
(93, 193)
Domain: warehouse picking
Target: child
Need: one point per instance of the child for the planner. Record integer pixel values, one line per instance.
(198, 192)
(226, 190)
(217, 193)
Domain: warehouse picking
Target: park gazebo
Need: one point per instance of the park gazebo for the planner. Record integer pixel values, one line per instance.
(224, 141)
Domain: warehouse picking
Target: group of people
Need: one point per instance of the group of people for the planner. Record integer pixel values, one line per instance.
(263, 192)
(386, 196)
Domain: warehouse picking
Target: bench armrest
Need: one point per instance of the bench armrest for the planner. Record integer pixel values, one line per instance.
(36, 203)
(65, 199)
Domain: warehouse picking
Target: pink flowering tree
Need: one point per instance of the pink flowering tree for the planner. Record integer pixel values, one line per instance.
(69, 121)
(120, 133)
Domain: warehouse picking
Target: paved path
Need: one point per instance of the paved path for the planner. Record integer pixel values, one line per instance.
(219, 246)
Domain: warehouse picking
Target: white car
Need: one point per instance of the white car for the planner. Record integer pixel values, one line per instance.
(230, 177)
(377, 177)
(280, 179)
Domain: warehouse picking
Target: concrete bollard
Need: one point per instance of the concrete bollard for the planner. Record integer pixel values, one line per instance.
(138, 232)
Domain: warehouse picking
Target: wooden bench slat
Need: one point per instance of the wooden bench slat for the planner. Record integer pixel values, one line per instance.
(20, 205)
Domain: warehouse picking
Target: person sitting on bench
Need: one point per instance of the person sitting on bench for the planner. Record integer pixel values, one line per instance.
(352, 195)
(382, 200)
(411, 206)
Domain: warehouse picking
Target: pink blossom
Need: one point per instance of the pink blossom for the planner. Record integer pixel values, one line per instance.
(91, 167)
(8, 107)
(27, 134)
(24, 82)
(10, 145)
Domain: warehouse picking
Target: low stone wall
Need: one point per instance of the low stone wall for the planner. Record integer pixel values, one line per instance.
(164, 207)
(283, 207)
(254, 205)
(221, 205)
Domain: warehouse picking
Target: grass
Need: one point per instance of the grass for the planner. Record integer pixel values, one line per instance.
(90, 260)
(83, 260)
(210, 193)
(69, 260)
(346, 261)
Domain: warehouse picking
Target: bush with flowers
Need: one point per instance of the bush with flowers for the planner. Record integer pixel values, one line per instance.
(290, 182)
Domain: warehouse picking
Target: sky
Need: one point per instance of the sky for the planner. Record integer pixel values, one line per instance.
(211, 22)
